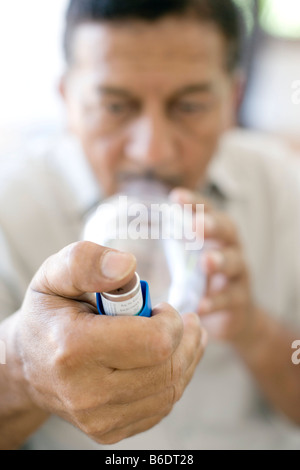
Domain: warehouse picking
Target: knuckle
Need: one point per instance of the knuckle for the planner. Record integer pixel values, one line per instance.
(166, 412)
(92, 428)
(75, 251)
(175, 379)
(61, 366)
(83, 403)
(162, 347)
(77, 402)
(104, 430)
(173, 395)
(110, 439)
(176, 392)
(104, 397)
(75, 254)
(88, 421)
(176, 370)
(194, 337)
(65, 355)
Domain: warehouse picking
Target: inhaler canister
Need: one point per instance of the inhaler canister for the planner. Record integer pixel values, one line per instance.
(126, 300)
(133, 299)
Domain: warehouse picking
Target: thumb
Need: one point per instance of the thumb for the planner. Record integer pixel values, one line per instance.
(84, 267)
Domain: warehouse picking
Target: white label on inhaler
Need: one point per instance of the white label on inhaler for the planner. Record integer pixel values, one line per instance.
(131, 306)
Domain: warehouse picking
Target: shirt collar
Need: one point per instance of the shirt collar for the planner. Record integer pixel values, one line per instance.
(220, 178)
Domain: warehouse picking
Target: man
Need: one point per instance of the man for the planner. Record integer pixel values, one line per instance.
(110, 378)
(152, 89)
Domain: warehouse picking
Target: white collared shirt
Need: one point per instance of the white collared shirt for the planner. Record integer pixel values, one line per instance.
(44, 199)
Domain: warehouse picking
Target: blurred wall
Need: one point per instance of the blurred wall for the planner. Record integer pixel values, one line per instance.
(31, 63)
(272, 101)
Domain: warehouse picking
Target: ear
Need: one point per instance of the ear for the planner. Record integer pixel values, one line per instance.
(239, 87)
(63, 93)
(62, 87)
(236, 95)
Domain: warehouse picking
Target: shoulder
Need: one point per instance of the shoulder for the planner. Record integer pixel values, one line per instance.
(260, 165)
(52, 173)
(39, 208)
(26, 173)
(249, 149)
(26, 188)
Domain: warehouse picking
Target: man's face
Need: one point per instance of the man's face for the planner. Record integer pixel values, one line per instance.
(149, 99)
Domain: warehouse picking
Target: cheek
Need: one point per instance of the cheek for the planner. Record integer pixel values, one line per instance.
(208, 130)
(102, 148)
(201, 140)
(214, 124)
(196, 156)
(199, 144)
(105, 158)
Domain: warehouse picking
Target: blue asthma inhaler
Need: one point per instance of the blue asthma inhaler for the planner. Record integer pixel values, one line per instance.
(133, 299)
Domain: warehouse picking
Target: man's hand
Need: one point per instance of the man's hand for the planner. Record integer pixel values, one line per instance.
(226, 310)
(111, 377)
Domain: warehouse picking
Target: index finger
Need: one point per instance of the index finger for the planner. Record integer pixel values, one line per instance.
(218, 226)
(133, 342)
(177, 370)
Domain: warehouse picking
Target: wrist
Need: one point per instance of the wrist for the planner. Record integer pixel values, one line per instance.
(14, 370)
(20, 416)
(251, 342)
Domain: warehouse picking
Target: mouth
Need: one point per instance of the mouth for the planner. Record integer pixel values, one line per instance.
(149, 178)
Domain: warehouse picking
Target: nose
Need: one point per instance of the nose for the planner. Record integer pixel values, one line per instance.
(150, 142)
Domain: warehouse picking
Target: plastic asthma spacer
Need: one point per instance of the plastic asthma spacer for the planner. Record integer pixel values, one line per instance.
(133, 299)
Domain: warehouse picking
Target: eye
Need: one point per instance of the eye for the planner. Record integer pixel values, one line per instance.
(117, 107)
(190, 107)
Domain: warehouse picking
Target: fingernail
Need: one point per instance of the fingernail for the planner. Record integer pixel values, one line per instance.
(116, 265)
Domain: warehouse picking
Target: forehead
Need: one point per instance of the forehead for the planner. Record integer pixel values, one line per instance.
(174, 47)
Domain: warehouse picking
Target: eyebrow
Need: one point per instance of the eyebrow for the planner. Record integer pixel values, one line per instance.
(194, 88)
(109, 90)
(189, 89)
